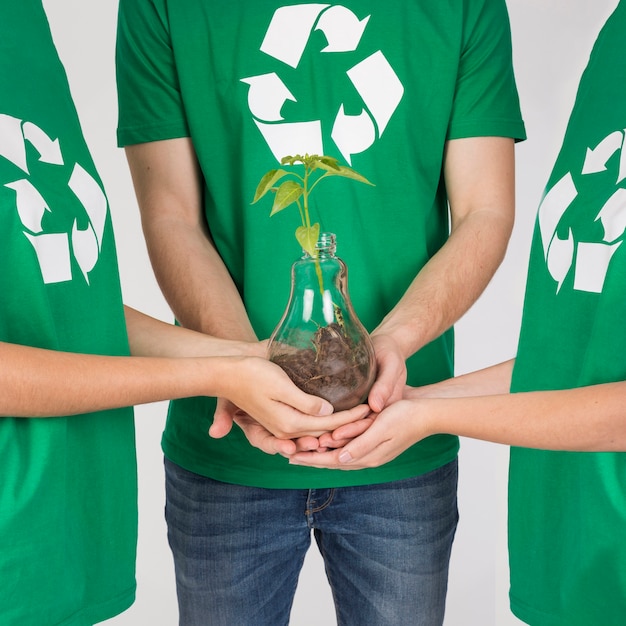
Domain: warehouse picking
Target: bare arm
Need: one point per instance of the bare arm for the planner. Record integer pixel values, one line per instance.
(45, 383)
(479, 176)
(588, 418)
(585, 419)
(190, 272)
(150, 337)
(489, 381)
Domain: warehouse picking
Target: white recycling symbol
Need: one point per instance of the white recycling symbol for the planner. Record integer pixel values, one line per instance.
(590, 259)
(373, 77)
(54, 251)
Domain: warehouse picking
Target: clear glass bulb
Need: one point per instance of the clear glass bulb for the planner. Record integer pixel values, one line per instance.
(320, 342)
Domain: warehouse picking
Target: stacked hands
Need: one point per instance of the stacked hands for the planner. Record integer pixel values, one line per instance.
(279, 418)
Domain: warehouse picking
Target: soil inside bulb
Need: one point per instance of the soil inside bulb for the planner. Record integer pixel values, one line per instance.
(336, 367)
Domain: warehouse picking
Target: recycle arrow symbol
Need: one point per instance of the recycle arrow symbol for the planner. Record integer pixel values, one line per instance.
(613, 216)
(597, 158)
(373, 78)
(15, 133)
(559, 253)
(353, 133)
(593, 258)
(88, 243)
(31, 207)
(342, 28)
(266, 96)
(52, 249)
(49, 150)
(379, 87)
(291, 27)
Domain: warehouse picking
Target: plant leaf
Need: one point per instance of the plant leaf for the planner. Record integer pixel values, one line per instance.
(288, 193)
(292, 160)
(330, 164)
(307, 237)
(267, 182)
(347, 172)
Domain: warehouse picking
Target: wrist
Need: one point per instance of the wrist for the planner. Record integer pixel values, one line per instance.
(429, 418)
(219, 374)
(399, 336)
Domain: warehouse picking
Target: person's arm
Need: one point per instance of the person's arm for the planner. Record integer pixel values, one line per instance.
(589, 419)
(479, 178)
(168, 362)
(192, 276)
(489, 381)
(148, 336)
(492, 380)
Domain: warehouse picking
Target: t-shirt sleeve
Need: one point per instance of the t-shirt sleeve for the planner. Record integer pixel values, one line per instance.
(486, 101)
(149, 100)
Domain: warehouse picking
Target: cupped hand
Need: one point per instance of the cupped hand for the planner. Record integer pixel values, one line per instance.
(263, 391)
(392, 431)
(264, 440)
(344, 434)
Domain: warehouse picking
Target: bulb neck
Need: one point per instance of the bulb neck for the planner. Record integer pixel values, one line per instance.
(326, 247)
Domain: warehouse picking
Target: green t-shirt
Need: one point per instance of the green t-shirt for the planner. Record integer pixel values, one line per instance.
(68, 494)
(379, 87)
(567, 510)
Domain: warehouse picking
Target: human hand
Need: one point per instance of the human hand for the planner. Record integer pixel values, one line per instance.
(489, 381)
(225, 410)
(223, 418)
(342, 435)
(388, 387)
(261, 438)
(390, 433)
(263, 391)
(391, 373)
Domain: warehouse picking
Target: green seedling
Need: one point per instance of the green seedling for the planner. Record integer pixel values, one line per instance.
(298, 188)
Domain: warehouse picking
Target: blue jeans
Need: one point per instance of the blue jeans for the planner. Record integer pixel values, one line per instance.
(238, 550)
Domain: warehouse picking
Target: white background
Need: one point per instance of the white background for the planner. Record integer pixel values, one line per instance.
(552, 40)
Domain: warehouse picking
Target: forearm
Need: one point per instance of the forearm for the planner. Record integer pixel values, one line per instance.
(150, 337)
(188, 268)
(588, 419)
(486, 382)
(585, 419)
(196, 284)
(46, 383)
(449, 283)
(479, 174)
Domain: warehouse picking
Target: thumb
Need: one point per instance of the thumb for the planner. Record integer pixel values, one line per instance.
(380, 393)
(222, 422)
(361, 446)
(312, 405)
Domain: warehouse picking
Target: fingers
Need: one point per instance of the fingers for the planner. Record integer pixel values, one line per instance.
(341, 418)
(391, 376)
(223, 419)
(290, 424)
(327, 460)
(261, 438)
(346, 458)
(284, 390)
(378, 444)
(307, 444)
(312, 405)
(346, 433)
